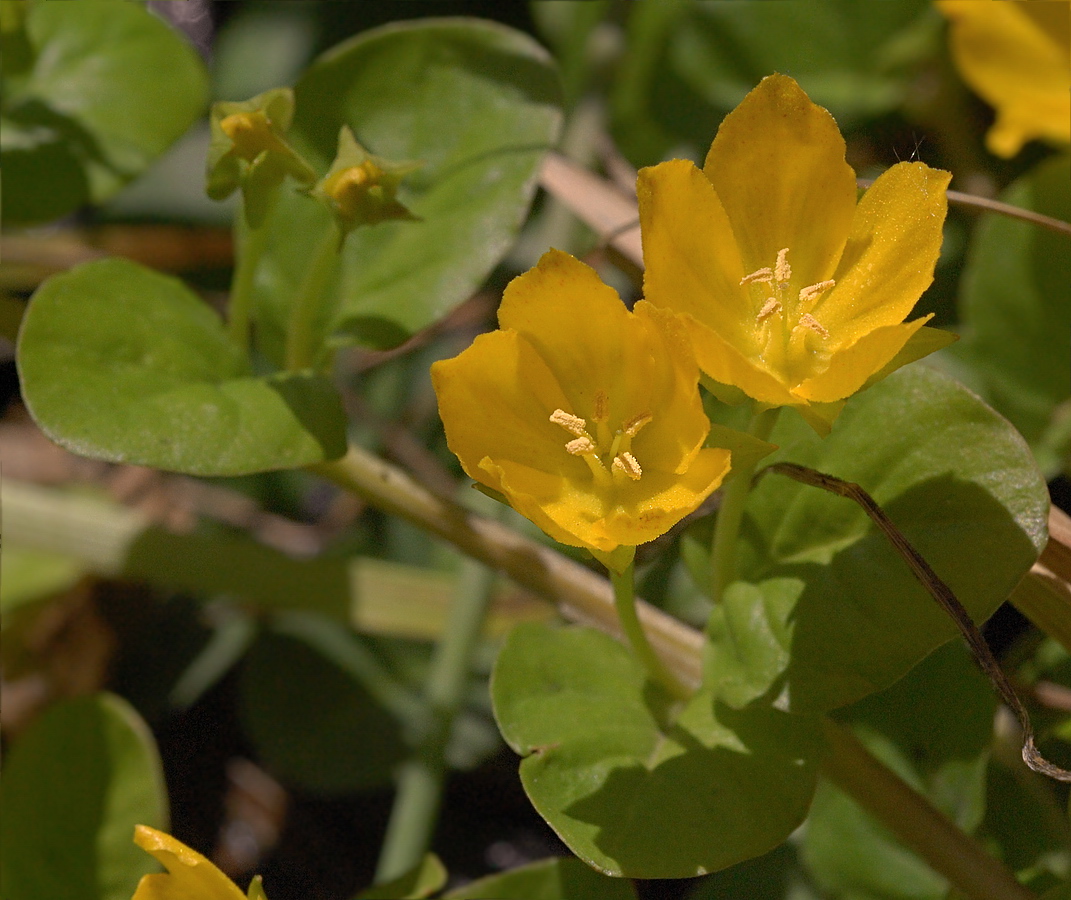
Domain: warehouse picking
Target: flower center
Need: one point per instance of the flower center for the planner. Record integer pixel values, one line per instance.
(607, 452)
(775, 304)
(250, 132)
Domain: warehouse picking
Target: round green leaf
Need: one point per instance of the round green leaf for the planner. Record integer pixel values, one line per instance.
(833, 612)
(110, 88)
(74, 786)
(630, 790)
(559, 878)
(121, 363)
(477, 104)
(1016, 294)
(313, 705)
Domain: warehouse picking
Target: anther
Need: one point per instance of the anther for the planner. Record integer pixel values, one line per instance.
(572, 424)
(602, 407)
(811, 322)
(764, 274)
(625, 462)
(632, 426)
(813, 290)
(782, 271)
(581, 446)
(771, 308)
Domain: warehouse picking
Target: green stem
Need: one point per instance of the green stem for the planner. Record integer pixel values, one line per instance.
(419, 794)
(300, 351)
(731, 512)
(625, 603)
(252, 243)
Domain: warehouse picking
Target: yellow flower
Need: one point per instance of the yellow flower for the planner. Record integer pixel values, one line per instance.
(1017, 57)
(189, 875)
(585, 416)
(791, 292)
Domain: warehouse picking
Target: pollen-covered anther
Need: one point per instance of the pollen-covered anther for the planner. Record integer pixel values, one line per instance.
(771, 308)
(782, 270)
(764, 275)
(632, 426)
(809, 321)
(581, 446)
(625, 462)
(572, 424)
(813, 290)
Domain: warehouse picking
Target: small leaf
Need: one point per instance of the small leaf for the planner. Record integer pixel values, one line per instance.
(560, 878)
(121, 363)
(631, 791)
(110, 88)
(478, 104)
(74, 786)
(833, 612)
(427, 877)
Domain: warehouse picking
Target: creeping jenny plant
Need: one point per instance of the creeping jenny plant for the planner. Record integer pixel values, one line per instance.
(791, 292)
(584, 415)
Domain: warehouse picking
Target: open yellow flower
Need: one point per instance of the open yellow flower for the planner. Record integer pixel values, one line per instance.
(791, 292)
(585, 416)
(1017, 57)
(189, 875)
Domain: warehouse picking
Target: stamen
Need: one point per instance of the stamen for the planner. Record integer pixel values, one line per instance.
(782, 271)
(572, 424)
(602, 407)
(772, 308)
(813, 290)
(580, 446)
(811, 322)
(764, 274)
(633, 425)
(625, 462)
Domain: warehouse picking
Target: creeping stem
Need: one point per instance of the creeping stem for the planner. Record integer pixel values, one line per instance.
(731, 512)
(300, 351)
(625, 603)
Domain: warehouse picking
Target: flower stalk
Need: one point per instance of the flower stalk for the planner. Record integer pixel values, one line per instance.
(300, 334)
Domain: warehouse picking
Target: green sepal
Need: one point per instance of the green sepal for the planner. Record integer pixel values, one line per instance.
(259, 163)
(617, 560)
(256, 889)
(360, 188)
(424, 879)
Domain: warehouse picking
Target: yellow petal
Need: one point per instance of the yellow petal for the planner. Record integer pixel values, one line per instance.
(565, 311)
(890, 255)
(849, 369)
(190, 876)
(691, 262)
(659, 500)
(1016, 57)
(495, 400)
(722, 362)
(777, 164)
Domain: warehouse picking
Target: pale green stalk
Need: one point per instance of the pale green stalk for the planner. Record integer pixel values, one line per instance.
(300, 349)
(625, 603)
(420, 782)
(251, 244)
(731, 512)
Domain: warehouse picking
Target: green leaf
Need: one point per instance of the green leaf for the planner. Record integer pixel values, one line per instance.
(121, 363)
(74, 786)
(110, 88)
(832, 612)
(478, 104)
(1015, 297)
(690, 63)
(428, 876)
(560, 878)
(318, 706)
(934, 729)
(631, 791)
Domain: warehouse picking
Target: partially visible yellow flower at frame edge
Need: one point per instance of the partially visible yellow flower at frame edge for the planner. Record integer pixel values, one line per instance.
(189, 875)
(1017, 57)
(585, 416)
(792, 292)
